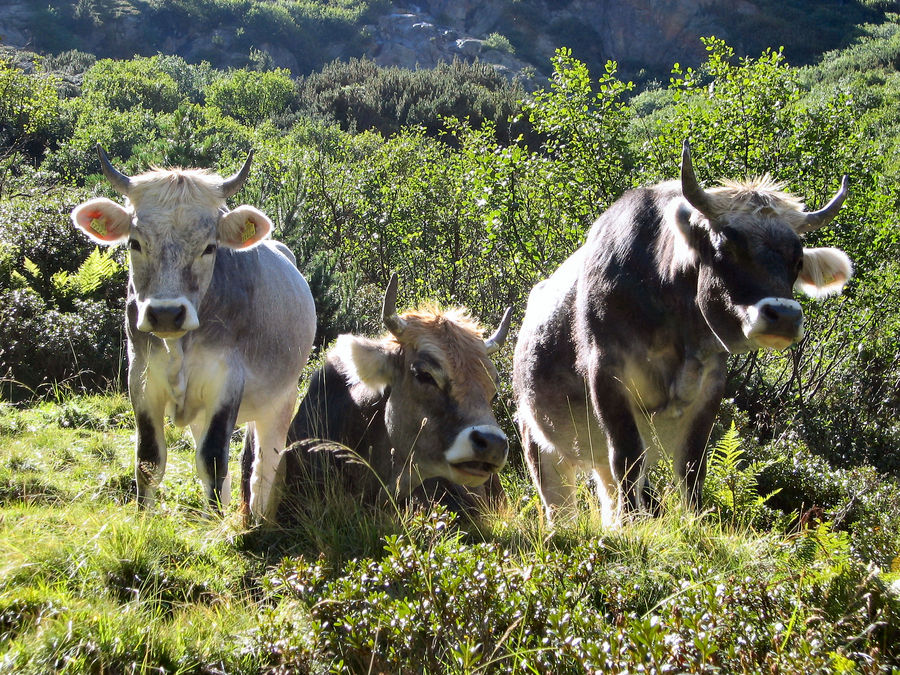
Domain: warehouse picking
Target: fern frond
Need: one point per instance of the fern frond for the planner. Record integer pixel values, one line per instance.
(96, 268)
(33, 270)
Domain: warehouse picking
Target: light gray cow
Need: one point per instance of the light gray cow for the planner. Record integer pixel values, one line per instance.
(219, 322)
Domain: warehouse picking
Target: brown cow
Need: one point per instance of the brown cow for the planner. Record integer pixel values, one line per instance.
(414, 404)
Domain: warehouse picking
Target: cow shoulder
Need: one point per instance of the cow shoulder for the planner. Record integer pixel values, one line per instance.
(338, 405)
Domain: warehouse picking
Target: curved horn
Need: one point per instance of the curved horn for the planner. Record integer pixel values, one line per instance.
(690, 188)
(389, 315)
(120, 182)
(816, 219)
(495, 341)
(235, 182)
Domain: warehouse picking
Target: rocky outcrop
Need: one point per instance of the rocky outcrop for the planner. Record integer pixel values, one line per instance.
(416, 38)
(515, 36)
(637, 33)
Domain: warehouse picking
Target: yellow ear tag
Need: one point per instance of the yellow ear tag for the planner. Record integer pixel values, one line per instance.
(249, 231)
(98, 225)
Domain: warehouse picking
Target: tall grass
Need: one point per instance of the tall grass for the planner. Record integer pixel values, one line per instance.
(89, 584)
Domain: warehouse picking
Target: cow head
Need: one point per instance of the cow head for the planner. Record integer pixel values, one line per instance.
(744, 239)
(173, 221)
(434, 369)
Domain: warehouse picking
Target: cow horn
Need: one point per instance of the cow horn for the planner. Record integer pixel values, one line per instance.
(231, 185)
(495, 341)
(816, 219)
(690, 188)
(392, 320)
(120, 182)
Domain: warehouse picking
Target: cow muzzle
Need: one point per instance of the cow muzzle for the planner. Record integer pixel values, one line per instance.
(774, 323)
(476, 453)
(167, 318)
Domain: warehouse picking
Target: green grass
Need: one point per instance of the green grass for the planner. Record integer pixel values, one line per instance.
(89, 584)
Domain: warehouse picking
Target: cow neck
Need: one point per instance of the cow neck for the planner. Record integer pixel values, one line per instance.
(175, 374)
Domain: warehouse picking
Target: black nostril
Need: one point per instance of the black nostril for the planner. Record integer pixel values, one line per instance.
(484, 442)
(771, 313)
(179, 317)
(478, 440)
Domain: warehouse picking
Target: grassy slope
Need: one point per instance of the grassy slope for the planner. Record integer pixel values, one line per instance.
(89, 585)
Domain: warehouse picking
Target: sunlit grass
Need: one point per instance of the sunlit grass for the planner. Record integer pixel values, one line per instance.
(90, 584)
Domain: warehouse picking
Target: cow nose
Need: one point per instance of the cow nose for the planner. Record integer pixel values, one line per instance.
(166, 318)
(782, 318)
(490, 445)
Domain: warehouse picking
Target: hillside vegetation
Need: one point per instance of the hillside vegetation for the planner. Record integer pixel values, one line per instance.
(477, 193)
(517, 36)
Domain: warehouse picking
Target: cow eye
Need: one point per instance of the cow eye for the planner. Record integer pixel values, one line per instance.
(134, 245)
(423, 376)
(211, 248)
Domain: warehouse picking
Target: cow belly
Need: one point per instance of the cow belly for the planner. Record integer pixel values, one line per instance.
(567, 428)
(666, 400)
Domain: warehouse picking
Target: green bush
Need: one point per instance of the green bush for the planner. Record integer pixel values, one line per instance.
(63, 305)
(43, 346)
(125, 85)
(29, 111)
(360, 96)
(447, 605)
(252, 97)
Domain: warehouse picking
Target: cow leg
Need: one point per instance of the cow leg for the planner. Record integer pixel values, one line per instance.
(150, 454)
(265, 480)
(607, 490)
(247, 458)
(149, 404)
(554, 478)
(626, 448)
(212, 439)
(690, 463)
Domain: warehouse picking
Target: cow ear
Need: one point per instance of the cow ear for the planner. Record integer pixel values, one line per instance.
(244, 227)
(824, 272)
(103, 220)
(371, 362)
(684, 233)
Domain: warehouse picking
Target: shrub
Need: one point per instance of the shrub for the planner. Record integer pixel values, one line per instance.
(62, 316)
(125, 85)
(448, 605)
(360, 95)
(252, 97)
(499, 42)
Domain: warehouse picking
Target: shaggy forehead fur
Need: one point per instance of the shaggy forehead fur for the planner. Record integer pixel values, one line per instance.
(757, 196)
(173, 187)
(455, 340)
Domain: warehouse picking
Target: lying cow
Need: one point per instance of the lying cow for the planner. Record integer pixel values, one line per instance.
(622, 351)
(414, 405)
(219, 321)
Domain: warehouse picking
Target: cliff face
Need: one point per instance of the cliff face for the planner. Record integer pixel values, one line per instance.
(517, 36)
(636, 33)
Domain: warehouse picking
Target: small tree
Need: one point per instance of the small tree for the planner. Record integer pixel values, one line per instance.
(585, 128)
(252, 97)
